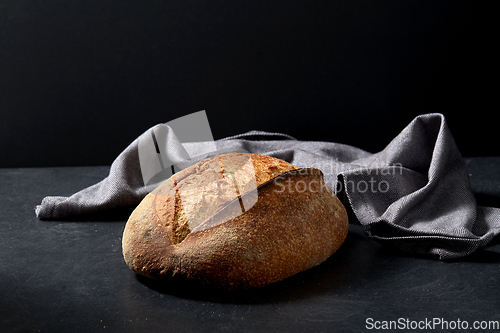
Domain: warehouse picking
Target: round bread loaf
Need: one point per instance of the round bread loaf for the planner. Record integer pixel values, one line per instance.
(235, 221)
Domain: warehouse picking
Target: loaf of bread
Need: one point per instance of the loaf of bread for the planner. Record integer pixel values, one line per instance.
(235, 221)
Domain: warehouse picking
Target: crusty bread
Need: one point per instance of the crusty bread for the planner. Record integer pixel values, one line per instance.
(235, 221)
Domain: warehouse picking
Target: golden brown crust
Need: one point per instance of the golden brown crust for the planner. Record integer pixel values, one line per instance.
(295, 224)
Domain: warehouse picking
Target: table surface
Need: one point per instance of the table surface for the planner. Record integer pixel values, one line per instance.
(69, 276)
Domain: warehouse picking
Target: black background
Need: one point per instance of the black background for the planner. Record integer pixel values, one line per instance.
(80, 80)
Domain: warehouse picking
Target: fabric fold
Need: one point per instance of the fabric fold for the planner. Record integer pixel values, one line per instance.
(414, 194)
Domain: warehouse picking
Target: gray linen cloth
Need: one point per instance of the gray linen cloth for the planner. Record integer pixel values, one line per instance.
(414, 195)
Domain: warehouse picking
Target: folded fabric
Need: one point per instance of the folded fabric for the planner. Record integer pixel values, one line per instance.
(414, 195)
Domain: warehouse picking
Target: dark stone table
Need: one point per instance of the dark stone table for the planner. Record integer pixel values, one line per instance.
(69, 276)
